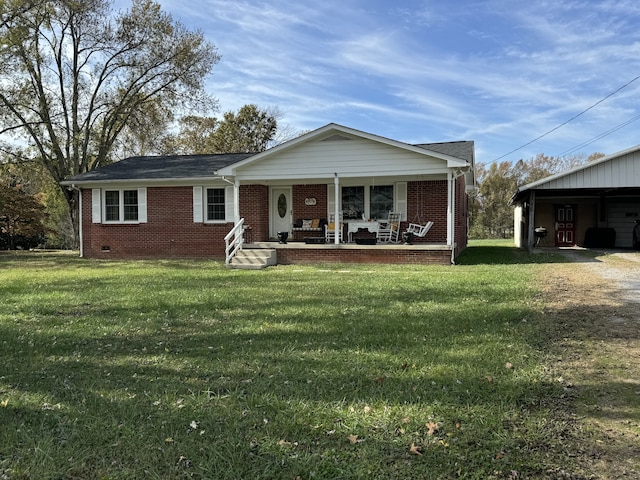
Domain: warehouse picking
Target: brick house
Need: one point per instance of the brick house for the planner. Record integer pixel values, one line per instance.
(184, 206)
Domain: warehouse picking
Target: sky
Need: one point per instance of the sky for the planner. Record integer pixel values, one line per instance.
(499, 72)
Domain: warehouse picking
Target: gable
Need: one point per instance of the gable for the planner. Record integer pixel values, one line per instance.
(620, 170)
(343, 154)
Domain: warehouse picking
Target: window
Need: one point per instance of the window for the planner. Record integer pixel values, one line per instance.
(213, 204)
(216, 204)
(373, 201)
(121, 205)
(352, 202)
(130, 205)
(112, 206)
(380, 201)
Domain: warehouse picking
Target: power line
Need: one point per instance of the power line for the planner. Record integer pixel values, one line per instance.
(598, 137)
(568, 121)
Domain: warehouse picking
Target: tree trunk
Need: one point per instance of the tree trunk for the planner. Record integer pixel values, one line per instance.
(72, 196)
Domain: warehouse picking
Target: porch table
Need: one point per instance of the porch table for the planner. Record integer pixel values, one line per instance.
(354, 225)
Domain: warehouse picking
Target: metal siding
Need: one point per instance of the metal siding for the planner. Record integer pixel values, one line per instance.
(621, 217)
(618, 172)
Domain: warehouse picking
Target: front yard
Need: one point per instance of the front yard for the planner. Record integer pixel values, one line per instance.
(184, 369)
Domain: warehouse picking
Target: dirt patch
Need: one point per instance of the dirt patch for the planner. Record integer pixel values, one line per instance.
(592, 314)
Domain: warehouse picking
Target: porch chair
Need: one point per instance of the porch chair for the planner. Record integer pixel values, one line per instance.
(415, 230)
(330, 229)
(389, 230)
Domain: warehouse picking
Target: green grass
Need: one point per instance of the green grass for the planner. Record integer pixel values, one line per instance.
(184, 369)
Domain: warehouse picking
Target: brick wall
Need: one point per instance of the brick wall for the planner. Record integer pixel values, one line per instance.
(461, 215)
(169, 232)
(401, 255)
(303, 211)
(254, 208)
(427, 201)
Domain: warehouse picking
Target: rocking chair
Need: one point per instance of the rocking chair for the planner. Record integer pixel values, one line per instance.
(389, 229)
(415, 230)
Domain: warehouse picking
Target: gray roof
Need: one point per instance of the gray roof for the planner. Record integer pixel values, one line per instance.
(176, 167)
(161, 168)
(461, 149)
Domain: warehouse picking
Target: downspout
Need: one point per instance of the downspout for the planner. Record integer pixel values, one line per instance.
(336, 196)
(79, 219)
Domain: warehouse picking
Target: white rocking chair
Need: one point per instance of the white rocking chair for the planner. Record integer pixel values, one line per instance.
(389, 229)
(415, 230)
(330, 229)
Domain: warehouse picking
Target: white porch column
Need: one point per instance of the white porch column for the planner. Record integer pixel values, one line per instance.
(336, 196)
(450, 208)
(236, 202)
(80, 222)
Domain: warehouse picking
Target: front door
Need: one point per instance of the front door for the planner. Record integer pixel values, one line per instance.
(565, 225)
(280, 211)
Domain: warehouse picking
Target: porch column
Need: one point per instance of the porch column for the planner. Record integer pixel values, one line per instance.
(236, 202)
(336, 196)
(450, 208)
(531, 220)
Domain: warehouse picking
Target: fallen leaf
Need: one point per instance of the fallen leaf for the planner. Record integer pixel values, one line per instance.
(508, 365)
(353, 438)
(499, 455)
(380, 380)
(433, 427)
(406, 420)
(367, 409)
(415, 450)
(193, 425)
(284, 443)
(168, 440)
(4, 403)
(489, 379)
(458, 424)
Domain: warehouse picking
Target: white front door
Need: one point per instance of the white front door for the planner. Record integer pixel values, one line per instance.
(280, 210)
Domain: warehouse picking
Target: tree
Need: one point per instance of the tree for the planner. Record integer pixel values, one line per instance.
(491, 213)
(21, 217)
(75, 77)
(251, 130)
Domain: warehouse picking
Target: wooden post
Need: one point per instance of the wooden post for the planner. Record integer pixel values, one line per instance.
(531, 220)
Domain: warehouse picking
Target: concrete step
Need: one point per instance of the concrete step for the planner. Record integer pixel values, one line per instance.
(254, 258)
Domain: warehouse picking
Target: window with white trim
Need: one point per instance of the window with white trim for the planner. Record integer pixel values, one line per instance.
(213, 204)
(372, 201)
(119, 205)
(216, 205)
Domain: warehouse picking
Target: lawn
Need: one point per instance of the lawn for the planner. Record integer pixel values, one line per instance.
(185, 369)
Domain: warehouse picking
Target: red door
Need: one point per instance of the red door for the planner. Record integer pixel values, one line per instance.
(565, 226)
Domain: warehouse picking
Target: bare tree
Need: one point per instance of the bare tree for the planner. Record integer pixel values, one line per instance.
(76, 75)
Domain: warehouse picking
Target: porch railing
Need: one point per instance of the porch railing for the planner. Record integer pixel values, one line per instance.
(234, 241)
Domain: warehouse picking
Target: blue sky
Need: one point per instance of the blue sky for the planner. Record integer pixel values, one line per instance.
(499, 72)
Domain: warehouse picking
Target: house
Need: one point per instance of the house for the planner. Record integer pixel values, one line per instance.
(593, 205)
(185, 206)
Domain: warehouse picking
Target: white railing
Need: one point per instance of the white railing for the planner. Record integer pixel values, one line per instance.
(234, 241)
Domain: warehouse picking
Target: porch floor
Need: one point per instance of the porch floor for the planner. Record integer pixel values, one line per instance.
(295, 252)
